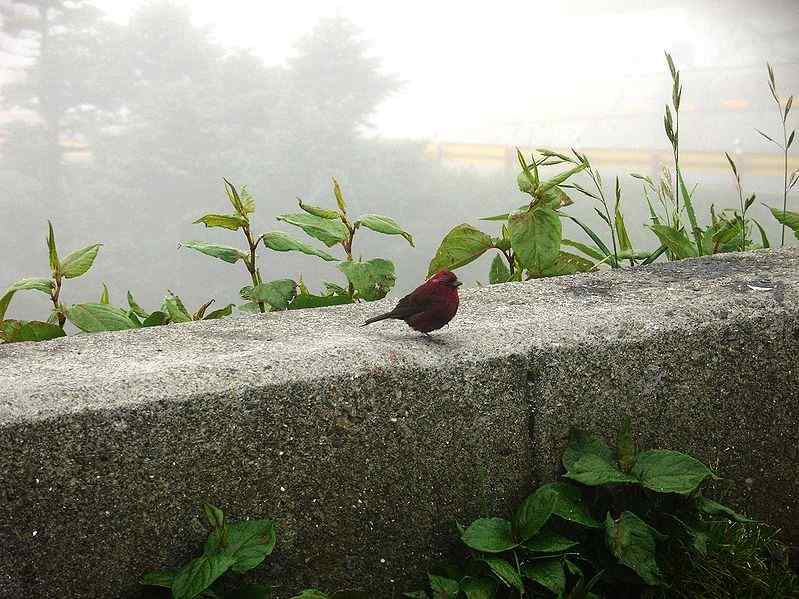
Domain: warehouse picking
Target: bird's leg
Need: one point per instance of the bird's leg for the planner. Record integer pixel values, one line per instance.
(427, 335)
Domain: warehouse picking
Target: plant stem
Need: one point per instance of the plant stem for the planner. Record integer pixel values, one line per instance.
(607, 214)
(347, 245)
(785, 177)
(54, 295)
(251, 266)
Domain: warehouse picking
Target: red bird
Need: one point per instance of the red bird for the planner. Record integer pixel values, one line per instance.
(428, 307)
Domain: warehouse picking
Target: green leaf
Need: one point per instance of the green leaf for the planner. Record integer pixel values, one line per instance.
(528, 179)
(176, 310)
(14, 331)
(162, 578)
(214, 516)
(51, 249)
(548, 573)
(492, 535)
(277, 293)
(581, 444)
(625, 446)
(548, 542)
(156, 319)
(248, 543)
(689, 208)
(283, 242)
(311, 594)
(247, 201)
(462, 245)
(675, 240)
(443, 588)
(329, 232)
(250, 591)
(137, 309)
(414, 595)
(342, 205)
(104, 299)
(234, 198)
(79, 261)
(93, 318)
(588, 250)
(499, 272)
(568, 504)
(199, 574)
(383, 224)
(535, 238)
(223, 252)
(506, 573)
(372, 279)
(533, 513)
(787, 218)
(595, 238)
(498, 217)
(668, 471)
(307, 300)
(37, 284)
(479, 588)
(350, 594)
(552, 198)
(224, 221)
(560, 178)
(320, 212)
(249, 308)
(592, 470)
(221, 313)
(632, 542)
(713, 508)
(566, 263)
(763, 237)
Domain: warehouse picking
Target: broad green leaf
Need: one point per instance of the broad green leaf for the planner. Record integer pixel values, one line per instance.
(787, 218)
(250, 591)
(566, 263)
(713, 508)
(443, 588)
(223, 252)
(463, 244)
(535, 238)
(224, 221)
(283, 242)
(320, 212)
(137, 309)
(479, 588)
(176, 310)
(134, 319)
(668, 471)
(51, 249)
(383, 224)
(625, 446)
(38, 284)
(13, 331)
(553, 198)
(308, 300)
(533, 513)
(547, 542)
(499, 273)
(329, 232)
(568, 503)
(492, 535)
(548, 573)
(248, 543)
(372, 279)
(592, 470)
(581, 444)
(221, 313)
(633, 542)
(163, 578)
(156, 319)
(277, 293)
(506, 573)
(104, 298)
(675, 240)
(247, 201)
(214, 516)
(93, 318)
(79, 261)
(199, 574)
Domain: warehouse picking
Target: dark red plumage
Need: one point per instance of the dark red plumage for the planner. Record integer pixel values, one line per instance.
(428, 307)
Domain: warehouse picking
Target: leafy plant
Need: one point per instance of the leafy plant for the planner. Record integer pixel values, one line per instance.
(785, 218)
(616, 525)
(237, 547)
(173, 310)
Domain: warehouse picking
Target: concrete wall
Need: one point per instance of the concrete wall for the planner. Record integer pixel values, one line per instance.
(365, 444)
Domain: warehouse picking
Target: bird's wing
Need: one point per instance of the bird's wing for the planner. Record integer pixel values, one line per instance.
(412, 304)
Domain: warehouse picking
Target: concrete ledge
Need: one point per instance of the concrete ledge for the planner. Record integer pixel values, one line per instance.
(365, 444)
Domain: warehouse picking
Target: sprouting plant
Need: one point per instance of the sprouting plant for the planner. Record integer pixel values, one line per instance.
(530, 238)
(231, 547)
(71, 266)
(673, 125)
(784, 217)
(740, 218)
(367, 280)
(173, 310)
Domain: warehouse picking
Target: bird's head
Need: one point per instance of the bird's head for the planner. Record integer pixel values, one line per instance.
(447, 278)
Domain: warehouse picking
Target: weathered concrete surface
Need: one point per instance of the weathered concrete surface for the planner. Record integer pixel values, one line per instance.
(365, 443)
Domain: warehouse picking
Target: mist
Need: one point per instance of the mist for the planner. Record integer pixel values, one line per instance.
(119, 120)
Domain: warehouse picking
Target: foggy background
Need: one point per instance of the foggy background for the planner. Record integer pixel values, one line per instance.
(119, 118)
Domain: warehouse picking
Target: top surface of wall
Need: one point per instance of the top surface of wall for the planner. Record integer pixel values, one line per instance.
(174, 363)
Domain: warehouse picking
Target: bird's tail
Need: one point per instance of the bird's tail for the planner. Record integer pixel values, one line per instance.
(377, 318)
